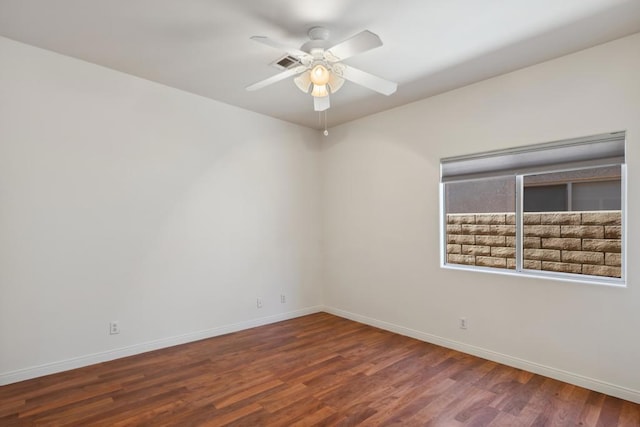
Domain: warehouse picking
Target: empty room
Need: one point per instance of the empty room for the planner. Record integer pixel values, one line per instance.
(339, 212)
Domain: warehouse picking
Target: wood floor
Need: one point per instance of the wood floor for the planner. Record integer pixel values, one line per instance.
(314, 370)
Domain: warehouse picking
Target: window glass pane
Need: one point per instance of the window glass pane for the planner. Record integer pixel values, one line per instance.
(545, 198)
(584, 236)
(480, 222)
(596, 196)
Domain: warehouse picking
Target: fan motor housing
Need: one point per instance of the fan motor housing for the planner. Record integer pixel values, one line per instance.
(319, 39)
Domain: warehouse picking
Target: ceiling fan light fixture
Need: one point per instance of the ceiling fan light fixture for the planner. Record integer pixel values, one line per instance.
(319, 91)
(303, 82)
(335, 83)
(319, 75)
(316, 66)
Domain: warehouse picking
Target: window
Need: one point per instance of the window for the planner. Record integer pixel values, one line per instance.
(580, 190)
(554, 210)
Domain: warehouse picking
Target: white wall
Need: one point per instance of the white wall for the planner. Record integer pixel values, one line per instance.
(122, 199)
(381, 221)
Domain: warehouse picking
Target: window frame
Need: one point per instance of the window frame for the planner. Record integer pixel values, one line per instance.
(519, 270)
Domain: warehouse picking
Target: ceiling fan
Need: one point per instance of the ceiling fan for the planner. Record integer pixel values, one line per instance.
(318, 67)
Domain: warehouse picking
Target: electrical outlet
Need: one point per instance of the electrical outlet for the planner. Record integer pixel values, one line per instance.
(259, 302)
(114, 327)
(283, 299)
(463, 323)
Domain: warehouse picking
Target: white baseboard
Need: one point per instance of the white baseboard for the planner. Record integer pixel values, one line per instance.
(91, 359)
(547, 371)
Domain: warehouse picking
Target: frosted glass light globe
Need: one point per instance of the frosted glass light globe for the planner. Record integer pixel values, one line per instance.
(319, 75)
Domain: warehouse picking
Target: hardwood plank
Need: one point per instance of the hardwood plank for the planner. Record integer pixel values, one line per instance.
(315, 418)
(505, 419)
(313, 370)
(75, 414)
(249, 392)
(629, 416)
(232, 416)
(284, 398)
(13, 406)
(403, 403)
(59, 402)
(610, 412)
(589, 415)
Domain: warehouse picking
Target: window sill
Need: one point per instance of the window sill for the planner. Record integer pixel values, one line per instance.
(564, 277)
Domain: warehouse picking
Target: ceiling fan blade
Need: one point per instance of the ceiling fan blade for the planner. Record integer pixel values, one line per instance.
(380, 85)
(361, 42)
(280, 46)
(273, 79)
(321, 103)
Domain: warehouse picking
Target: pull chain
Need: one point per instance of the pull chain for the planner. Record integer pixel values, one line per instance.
(326, 132)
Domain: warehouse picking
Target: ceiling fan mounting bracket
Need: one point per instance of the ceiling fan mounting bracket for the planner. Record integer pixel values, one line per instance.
(318, 33)
(318, 39)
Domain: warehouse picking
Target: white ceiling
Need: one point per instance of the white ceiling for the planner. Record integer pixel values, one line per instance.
(203, 46)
